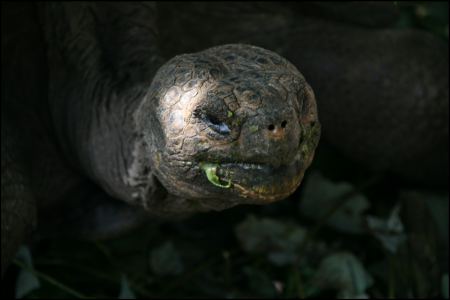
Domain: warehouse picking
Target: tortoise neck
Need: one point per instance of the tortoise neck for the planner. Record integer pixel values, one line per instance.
(109, 155)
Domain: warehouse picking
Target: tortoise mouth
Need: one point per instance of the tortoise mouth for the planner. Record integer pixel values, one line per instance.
(257, 181)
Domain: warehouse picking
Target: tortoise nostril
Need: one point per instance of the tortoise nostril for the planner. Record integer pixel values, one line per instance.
(272, 127)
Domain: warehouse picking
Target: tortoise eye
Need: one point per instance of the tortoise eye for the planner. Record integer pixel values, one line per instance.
(217, 125)
(212, 122)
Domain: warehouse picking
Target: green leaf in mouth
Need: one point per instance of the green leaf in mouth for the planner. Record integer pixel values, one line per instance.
(210, 171)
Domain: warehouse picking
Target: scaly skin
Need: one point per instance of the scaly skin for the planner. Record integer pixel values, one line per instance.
(242, 108)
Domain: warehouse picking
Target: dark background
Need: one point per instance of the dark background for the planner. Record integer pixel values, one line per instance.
(356, 234)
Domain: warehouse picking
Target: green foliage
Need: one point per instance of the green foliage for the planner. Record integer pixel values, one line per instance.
(322, 195)
(342, 271)
(210, 171)
(280, 241)
(250, 252)
(27, 281)
(125, 290)
(390, 231)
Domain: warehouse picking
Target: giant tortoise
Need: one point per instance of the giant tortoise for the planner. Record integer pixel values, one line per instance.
(176, 108)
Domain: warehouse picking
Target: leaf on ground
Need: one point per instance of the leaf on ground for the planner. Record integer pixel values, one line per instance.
(445, 286)
(125, 290)
(390, 231)
(165, 260)
(345, 273)
(279, 241)
(320, 195)
(26, 280)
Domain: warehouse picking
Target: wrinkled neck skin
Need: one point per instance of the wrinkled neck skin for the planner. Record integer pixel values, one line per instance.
(102, 58)
(101, 139)
(115, 149)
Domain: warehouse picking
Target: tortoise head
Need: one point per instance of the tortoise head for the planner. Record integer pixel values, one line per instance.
(229, 125)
